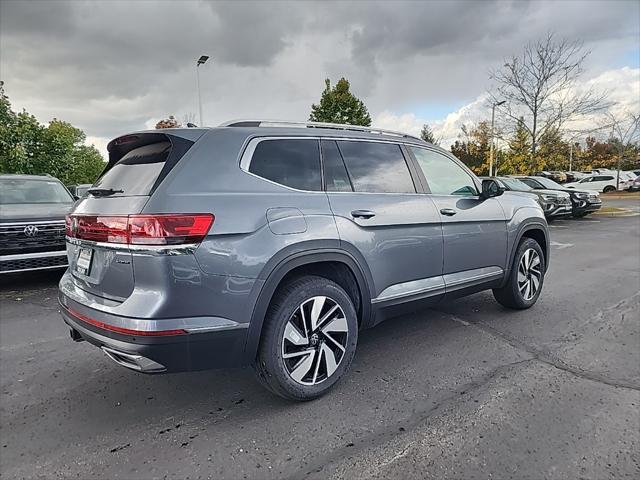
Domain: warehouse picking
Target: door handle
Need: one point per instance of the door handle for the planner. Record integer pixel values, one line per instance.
(449, 212)
(362, 214)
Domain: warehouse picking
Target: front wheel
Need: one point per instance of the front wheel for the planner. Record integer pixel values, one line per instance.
(526, 278)
(308, 340)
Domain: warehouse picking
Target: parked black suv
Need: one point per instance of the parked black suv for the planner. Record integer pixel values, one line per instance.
(32, 210)
(583, 202)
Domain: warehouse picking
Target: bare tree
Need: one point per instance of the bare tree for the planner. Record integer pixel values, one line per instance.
(625, 129)
(539, 86)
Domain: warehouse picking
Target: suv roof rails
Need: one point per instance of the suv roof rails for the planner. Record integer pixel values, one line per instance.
(336, 126)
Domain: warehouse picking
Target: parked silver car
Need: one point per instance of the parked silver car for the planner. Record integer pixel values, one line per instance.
(273, 244)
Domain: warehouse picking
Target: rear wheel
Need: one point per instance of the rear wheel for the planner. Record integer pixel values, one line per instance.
(609, 188)
(526, 278)
(308, 340)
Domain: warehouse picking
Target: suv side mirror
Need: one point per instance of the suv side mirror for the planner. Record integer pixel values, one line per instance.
(491, 188)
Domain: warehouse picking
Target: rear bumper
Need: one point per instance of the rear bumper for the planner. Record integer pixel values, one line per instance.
(26, 262)
(155, 354)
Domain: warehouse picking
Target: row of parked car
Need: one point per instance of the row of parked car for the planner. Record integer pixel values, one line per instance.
(556, 200)
(601, 180)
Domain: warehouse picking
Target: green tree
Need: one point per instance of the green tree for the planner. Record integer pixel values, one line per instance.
(58, 149)
(472, 148)
(427, 135)
(553, 151)
(339, 105)
(516, 159)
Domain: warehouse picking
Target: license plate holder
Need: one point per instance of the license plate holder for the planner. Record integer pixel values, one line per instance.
(83, 263)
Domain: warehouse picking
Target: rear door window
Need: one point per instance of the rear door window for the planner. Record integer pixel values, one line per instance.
(137, 171)
(376, 167)
(292, 162)
(336, 178)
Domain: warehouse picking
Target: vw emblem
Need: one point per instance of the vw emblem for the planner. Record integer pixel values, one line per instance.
(30, 230)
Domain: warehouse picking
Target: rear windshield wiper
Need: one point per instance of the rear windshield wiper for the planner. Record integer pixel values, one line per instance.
(103, 192)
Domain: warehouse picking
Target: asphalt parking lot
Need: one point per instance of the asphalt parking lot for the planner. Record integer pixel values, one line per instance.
(468, 390)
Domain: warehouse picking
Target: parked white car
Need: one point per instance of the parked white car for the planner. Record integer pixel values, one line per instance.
(605, 182)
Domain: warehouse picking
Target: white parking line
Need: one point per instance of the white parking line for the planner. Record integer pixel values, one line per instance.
(561, 246)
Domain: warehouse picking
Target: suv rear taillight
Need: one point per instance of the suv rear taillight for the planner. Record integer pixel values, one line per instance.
(160, 229)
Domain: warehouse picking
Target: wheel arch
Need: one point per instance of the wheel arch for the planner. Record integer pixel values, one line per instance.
(319, 262)
(538, 231)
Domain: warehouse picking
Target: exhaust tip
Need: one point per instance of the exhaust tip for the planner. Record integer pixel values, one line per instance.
(133, 362)
(75, 336)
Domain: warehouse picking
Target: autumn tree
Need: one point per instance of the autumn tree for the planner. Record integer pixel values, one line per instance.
(553, 151)
(472, 147)
(427, 135)
(58, 149)
(170, 122)
(539, 88)
(339, 105)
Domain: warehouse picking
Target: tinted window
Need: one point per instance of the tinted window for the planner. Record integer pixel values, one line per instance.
(515, 184)
(604, 178)
(376, 167)
(335, 173)
(15, 191)
(294, 163)
(531, 183)
(137, 171)
(443, 175)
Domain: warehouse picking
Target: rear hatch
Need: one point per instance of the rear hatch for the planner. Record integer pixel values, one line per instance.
(98, 229)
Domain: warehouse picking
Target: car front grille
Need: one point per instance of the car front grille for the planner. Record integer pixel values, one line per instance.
(33, 237)
(35, 263)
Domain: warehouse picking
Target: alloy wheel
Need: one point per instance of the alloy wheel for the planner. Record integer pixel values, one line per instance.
(529, 274)
(314, 340)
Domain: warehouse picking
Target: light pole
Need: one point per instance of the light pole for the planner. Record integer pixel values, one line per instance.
(201, 61)
(493, 115)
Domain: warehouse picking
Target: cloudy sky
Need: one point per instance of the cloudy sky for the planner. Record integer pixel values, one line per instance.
(113, 67)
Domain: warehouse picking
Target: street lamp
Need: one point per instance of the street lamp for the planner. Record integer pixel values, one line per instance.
(201, 61)
(493, 114)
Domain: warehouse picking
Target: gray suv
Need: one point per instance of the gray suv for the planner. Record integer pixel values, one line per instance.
(273, 244)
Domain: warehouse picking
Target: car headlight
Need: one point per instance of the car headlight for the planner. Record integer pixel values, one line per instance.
(582, 196)
(550, 198)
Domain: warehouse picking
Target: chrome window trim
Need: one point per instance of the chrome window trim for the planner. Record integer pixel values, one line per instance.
(250, 147)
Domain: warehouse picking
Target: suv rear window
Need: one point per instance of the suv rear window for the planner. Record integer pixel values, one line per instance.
(294, 163)
(137, 171)
(376, 167)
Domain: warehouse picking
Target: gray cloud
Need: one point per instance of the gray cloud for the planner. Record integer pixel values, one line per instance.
(110, 67)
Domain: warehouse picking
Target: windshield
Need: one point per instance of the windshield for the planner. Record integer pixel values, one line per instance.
(548, 183)
(16, 191)
(514, 184)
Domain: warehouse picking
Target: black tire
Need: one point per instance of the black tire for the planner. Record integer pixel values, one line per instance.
(273, 370)
(511, 295)
(608, 189)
